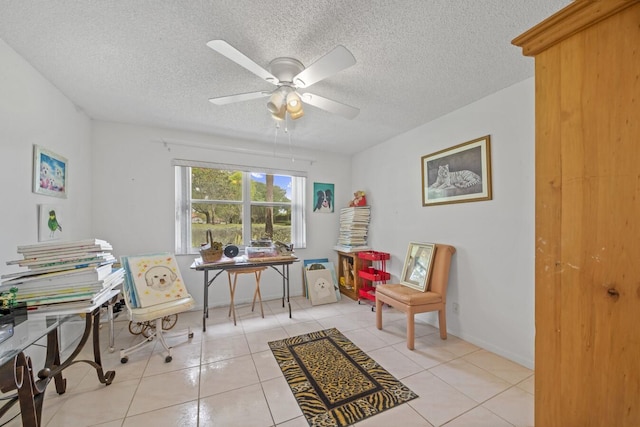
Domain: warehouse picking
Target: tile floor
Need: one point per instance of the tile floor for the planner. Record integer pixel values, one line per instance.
(227, 376)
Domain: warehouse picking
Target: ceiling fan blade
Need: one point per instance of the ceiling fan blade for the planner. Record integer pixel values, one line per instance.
(333, 62)
(224, 48)
(224, 100)
(331, 106)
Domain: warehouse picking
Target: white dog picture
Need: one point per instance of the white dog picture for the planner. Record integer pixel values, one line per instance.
(321, 286)
(155, 277)
(160, 277)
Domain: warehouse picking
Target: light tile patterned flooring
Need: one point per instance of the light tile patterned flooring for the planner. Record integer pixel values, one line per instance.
(227, 376)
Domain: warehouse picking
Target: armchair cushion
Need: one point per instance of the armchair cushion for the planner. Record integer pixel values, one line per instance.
(408, 296)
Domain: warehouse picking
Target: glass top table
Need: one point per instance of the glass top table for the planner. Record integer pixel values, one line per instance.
(28, 382)
(27, 333)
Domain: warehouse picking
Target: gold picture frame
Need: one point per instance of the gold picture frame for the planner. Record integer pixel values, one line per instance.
(417, 265)
(458, 174)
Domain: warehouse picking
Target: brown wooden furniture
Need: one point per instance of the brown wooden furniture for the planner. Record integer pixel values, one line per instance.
(412, 301)
(348, 266)
(587, 350)
(257, 272)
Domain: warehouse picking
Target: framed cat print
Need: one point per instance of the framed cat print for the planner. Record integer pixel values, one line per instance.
(458, 174)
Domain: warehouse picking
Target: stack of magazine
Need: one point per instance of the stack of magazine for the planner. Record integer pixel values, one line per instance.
(354, 227)
(63, 275)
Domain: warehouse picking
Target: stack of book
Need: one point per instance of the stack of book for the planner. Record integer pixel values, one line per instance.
(62, 275)
(354, 226)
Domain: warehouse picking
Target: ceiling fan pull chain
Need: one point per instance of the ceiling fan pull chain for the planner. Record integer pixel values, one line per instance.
(275, 139)
(290, 149)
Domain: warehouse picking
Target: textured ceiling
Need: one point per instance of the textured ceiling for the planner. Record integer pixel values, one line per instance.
(146, 61)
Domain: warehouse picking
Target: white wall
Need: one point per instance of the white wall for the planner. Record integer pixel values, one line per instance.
(134, 202)
(492, 275)
(32, 111)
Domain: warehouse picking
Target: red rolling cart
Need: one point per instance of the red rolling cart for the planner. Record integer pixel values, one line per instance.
(372, 273)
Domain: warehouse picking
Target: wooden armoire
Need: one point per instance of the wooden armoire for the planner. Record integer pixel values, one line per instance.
(587, 266)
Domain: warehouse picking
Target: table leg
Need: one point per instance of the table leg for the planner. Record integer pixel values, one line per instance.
(207, 283)
(257, 294)
(112, 338)
(30, 392)
(53, 360)
(55, 368)
(283, 285)
(18, 375)
(105, 377)
(205, 312)
(232, 291)
(286, 268)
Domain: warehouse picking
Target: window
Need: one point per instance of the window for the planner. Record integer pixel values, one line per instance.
(237, 205)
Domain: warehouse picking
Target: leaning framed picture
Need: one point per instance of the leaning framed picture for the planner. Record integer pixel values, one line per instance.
(322, 284)
(50, 171)
(417, 265)
(458, 174)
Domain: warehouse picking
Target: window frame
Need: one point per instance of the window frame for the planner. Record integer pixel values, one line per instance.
(183, 202)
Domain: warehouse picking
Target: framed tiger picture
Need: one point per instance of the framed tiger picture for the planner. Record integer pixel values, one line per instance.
(458, 174)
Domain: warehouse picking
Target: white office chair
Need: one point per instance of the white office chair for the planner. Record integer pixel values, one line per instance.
(151, 316)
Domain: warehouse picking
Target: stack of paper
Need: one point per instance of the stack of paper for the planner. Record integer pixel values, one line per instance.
(57, 273)
(354, 226)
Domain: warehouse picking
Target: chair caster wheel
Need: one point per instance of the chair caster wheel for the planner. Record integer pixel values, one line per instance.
(358, 302)
(168, 359)
(191, 335)
(124, 359)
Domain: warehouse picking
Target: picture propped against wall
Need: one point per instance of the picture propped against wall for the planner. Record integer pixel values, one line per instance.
(417, 265)
(323, 197)
(322, 284)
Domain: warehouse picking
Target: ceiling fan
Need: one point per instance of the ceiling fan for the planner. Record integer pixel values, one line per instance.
(289, 75)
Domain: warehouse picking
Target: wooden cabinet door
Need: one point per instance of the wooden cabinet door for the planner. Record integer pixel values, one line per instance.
(587, 357)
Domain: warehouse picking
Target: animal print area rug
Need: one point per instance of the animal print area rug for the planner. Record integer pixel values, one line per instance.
(334, 382)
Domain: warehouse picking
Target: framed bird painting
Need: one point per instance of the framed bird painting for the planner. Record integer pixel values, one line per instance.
(50, 222)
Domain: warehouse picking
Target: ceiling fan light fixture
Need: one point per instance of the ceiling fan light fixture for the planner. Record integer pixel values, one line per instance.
(280, 115)
(294, 104)
(297, 114)
(276, 102)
